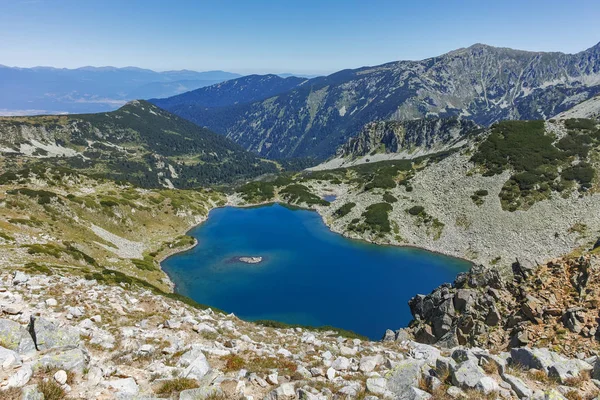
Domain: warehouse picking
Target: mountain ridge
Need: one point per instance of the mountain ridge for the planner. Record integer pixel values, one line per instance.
(482, 83)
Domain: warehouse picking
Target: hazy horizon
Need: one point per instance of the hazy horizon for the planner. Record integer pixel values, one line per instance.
(303, 38)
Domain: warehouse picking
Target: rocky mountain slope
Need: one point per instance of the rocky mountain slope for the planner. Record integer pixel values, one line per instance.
(46, 90)
(482, 83)
(235, 91)
(139, 143)
(392, 140)
(586, 109)
(525, 190)
(65, 336)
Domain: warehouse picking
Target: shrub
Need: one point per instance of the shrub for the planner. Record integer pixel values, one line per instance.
(582, 173)
(481, 193)
(376, 217)
(416, 210)
(257, 191)
(344, 210)
(298, 194)
(580, 123)
(51, 390)
(233, 362)
(389, 198)
(177, 385)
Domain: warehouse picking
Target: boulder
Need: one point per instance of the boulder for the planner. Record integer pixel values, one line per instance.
(573, 319)
(19, 278)
(519, 387)
(50, 335)
(487, 385)
(420, 351)
(15, 337)
(377, 385)
(405, 375)
(283, 392)
(456, 393)
(341, 364)
(64, 358)
(467, 375)
(568, 369)
(541, 358)
(196, 364)
(21, 377)
(368, 363)
(464, 300)
(9, 358)
(31, 392)
(60, 377)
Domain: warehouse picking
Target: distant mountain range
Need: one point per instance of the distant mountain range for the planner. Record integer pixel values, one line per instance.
(314, 117)
(47, 90)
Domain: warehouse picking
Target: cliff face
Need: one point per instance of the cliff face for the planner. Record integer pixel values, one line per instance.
(482, 83)
(428, 135)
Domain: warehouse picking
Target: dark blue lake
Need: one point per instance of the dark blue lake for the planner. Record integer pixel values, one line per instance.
(309, 275)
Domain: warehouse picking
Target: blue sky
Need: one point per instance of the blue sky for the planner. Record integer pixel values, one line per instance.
(258, 36)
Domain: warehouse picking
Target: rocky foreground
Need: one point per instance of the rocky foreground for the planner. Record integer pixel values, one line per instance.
(68, 337)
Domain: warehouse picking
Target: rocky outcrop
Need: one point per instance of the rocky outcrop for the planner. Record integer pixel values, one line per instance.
(553, 304)
(412, 137)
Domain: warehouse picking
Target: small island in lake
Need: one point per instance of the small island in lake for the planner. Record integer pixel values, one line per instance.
(250, 260)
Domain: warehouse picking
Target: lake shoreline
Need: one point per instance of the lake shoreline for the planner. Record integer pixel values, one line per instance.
(203, 259)
(292, 207)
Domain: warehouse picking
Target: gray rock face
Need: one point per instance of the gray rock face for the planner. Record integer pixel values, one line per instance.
(14, 337)
(49, 335)
(283, 392)
(427, 135)
(404, 376)
(21, 377)
(518, 386)
(196, 364)
(564, 370)
(467, 375)
(68, 359)
(451, 313)
(32, 392)
(534, 358)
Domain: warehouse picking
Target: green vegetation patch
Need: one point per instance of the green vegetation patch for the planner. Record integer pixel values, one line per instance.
(581, 124)
(147, 264)
(389, 198)
(257, 192)
(42, 196)
(540, 165)
(376, 217)
(298, 194)
(174, 386)
(344, 210)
